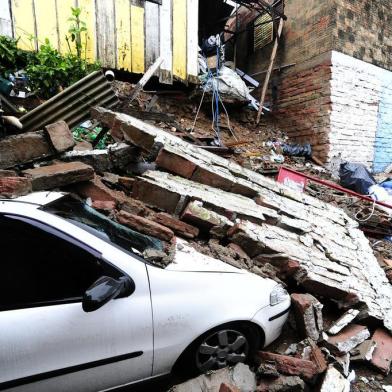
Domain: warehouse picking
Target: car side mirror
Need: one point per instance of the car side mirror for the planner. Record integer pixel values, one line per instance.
(104, 290)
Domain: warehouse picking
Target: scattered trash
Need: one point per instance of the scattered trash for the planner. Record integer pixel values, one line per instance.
(356, 177)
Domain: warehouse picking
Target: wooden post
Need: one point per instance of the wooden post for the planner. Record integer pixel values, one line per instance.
(270, 68)
(147, 76)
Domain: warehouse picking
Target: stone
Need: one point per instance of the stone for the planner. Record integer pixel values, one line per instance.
(308, 315)
(349, 338)
(24, 148)
(60, 136)
(363, 352)
(282, 384)
(180, 228)
(382, 355)
(83, 146)
(58, 175)
(175, 164)
(145, 226)
(11, 187)
(334, 381)
(343, 321)
(291, 366)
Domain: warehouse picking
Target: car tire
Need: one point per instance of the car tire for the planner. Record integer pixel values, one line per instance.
(222, 346)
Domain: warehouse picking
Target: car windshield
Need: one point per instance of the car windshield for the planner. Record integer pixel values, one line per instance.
(84, 216)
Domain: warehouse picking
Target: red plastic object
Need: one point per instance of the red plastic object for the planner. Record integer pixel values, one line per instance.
(292, 179)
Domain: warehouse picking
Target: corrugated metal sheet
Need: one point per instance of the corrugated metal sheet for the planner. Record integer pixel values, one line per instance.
(122, 34)
(73, 104)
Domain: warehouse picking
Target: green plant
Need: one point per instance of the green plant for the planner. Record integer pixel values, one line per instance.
(11, 57)
(76, 29)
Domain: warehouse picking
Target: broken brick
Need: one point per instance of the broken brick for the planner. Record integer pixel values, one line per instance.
(58, 175)
(145, 226)
(175, 164)
(95, 190)
(60, 136)
(291, 366)
(382, 355)
(104, 205)
(228, 388)
(308, 315)
(136, 207)
(8, 173)
(349, 338)
(364, 352)
(180, 228)
(11, 187)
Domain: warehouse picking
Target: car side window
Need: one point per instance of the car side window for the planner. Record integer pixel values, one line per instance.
(38, 268)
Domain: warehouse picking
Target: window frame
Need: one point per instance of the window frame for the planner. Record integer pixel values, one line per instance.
(63, 236)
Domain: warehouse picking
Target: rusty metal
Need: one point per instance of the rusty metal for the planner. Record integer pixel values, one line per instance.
(73, 104)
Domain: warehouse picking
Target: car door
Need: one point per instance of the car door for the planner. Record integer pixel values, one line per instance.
(47, 342)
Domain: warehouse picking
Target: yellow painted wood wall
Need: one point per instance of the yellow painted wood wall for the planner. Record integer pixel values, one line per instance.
(142, 32)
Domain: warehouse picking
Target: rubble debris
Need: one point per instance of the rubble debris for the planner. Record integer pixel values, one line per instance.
(240, 377)
(349, 338)
(58, 175)
(343, 362)
(363, 352)
(308, 315)
(291, 366)
(334, 257)
(267, 369)
(382, 355)
(180, 228)
(343, 321)
(11, 187)
(60, 136)
(334, 381)
(282, 384)
(228, 388)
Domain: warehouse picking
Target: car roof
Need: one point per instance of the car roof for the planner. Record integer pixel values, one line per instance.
(37, 198)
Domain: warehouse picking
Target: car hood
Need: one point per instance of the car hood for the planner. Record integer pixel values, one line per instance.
(187, 259)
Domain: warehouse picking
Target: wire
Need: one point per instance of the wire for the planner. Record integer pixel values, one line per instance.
(369, 217)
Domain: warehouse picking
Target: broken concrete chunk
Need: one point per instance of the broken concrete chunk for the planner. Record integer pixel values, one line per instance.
(27, 147)
(240, 377)
(291, 366)
(343, 321)
(180, 228)
(351, 336)
(203, 218)
(60, 136)
(282, 384)
(11, 187)
(334, 381)
(382, 355)
(363, 352)
(58, 175)
(145, 226)
(308, 315)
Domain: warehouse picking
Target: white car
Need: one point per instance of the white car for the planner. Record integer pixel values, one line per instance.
(81, 311)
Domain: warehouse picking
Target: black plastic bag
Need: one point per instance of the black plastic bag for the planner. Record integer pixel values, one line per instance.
(356, 177)
(297, 150)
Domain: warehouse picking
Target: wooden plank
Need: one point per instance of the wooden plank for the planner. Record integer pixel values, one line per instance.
(166, 44)
(146, 77)
(46, 17)
(89, 38)
(179, 39)
(152, 32)
(5, 18)
(24, 23)
(192, 37)
(123, 34)
(137, 38)
(63, 14)
(106, 41)
(270, 68)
